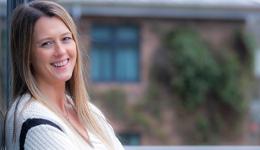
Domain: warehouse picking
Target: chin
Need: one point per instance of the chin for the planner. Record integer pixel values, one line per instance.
(65, 78)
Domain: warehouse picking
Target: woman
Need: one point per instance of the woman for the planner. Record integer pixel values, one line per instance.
(51, 108)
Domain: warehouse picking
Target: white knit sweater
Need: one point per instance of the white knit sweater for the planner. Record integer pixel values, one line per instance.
(46, 137)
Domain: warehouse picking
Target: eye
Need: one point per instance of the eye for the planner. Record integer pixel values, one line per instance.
(47, 44)
(67, 38)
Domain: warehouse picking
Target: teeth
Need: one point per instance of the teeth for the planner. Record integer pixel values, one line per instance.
(61, 63)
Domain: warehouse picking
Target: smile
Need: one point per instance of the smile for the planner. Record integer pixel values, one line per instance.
(60, 63)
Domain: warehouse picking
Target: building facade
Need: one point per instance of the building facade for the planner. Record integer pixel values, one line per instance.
(123, 38)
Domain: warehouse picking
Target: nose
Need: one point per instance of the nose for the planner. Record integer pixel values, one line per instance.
(59, 49)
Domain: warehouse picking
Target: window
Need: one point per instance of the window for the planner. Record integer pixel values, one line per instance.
(114, 53)
(130, 138)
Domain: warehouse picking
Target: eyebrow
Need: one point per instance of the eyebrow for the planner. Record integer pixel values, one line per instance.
(46, 38)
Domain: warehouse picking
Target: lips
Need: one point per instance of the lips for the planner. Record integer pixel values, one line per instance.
(60, 63)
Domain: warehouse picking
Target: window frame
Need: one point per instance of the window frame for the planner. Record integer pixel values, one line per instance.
(113, 44)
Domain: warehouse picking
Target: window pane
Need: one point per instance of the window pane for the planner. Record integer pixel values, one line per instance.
(100, 34)
(114, 53)
(106, 65)
(101, 64)
(95, 63)
(129, 34)
(127, 64)
(130, 138)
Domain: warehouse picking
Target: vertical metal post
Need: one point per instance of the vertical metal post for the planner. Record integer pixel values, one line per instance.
(11, 5)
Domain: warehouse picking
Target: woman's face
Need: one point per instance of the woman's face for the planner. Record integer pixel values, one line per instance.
(54, 51)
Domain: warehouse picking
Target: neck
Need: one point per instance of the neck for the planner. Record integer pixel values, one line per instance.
(54, 93)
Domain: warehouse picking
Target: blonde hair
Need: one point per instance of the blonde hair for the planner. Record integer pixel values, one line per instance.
(23, 80)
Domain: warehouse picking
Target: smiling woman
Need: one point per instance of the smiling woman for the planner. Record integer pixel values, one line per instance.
(51, 108)
(54, 52)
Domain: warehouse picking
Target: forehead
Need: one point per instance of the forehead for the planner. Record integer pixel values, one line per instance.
(49, 26)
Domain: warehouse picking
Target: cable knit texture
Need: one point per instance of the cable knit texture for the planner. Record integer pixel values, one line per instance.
(46, 137)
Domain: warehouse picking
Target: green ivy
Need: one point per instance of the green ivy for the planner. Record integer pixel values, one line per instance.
(209, 86)
(193, 69)
(228, 87)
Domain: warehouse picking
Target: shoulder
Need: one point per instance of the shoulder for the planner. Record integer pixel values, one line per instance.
(26, 113)
(107, 128)
(25, 107)
(43, 132)
(99, 116)
(95, 110)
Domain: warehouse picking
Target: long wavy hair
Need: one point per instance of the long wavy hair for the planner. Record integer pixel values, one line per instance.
(23, 81)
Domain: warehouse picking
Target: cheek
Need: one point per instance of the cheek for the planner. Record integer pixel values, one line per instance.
(74, 49)
(75, 58)
(39, 59)
(73, 52)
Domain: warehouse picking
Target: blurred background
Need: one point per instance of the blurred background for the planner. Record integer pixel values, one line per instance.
(168, 72)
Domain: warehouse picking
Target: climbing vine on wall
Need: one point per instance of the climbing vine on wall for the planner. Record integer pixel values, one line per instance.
(204, 84)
